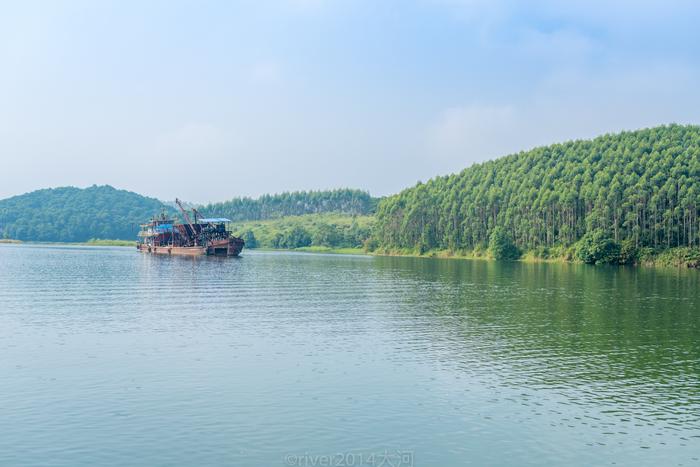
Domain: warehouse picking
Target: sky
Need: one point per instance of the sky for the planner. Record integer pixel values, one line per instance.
(209, 100)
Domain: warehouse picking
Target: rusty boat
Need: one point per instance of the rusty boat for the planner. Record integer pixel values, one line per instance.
(201, 236)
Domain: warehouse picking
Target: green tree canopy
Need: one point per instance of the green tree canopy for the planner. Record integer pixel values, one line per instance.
(642, 186)
(501, 245)
(597, 247)
(72, 214)
(342, 201)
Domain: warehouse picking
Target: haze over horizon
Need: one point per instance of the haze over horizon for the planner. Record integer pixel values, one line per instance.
(221, 99)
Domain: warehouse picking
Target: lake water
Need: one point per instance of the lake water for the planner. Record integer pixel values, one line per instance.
(111, 357)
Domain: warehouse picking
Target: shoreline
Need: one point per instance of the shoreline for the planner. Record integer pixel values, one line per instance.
(660, 260)
(664, 259)
(318, 249)
(122, 243)
(527, 258)
(131, 244)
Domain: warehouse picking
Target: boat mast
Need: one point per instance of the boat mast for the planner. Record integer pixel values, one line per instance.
(187, 218)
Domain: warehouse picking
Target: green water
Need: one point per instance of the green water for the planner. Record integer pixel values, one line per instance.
(110, 357)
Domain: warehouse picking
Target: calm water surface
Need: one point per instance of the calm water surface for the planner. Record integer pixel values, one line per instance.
(110, 357)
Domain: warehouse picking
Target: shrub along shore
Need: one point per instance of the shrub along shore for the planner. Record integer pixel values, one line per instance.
(682, 257)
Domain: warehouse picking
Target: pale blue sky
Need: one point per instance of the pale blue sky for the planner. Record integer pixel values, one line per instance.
(211, 100)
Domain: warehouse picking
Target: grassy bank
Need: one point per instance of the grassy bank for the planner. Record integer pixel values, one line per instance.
(682, 257)
(674, 257)
(336, 251)
(9, 240)
(107, 242)
(91, 242)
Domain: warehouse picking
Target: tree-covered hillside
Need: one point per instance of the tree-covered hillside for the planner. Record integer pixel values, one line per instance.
(71, 214)
(343, 201)
(76, 215)
(629, 190)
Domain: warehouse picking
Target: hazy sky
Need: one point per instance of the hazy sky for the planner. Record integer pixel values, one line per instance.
(211, 100)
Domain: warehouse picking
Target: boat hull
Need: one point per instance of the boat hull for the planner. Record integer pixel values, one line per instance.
(224, 247)
(173, 250)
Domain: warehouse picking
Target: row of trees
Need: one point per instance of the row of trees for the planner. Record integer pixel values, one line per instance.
(343, 201)
(323, 230)
(642, 187)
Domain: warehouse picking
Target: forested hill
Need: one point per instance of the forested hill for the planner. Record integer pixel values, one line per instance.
(343, 201)
(637, 189)
(71, 214)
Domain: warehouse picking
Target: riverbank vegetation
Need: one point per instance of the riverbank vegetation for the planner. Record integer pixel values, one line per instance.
(313, 232)
(107, 242)
(674, 257)
(629, 198)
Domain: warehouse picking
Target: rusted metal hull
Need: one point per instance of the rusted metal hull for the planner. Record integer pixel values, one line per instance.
(224, 247)
(173, 250)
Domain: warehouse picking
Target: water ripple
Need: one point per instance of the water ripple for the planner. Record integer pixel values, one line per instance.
(110, 357)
